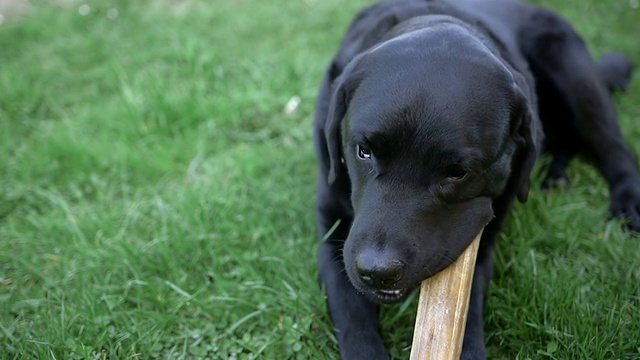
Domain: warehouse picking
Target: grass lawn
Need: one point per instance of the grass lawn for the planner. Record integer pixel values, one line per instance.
(156, 202)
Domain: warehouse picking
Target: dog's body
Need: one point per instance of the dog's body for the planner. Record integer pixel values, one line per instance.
(428, 124)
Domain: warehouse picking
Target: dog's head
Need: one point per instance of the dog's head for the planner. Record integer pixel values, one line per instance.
(430, 127)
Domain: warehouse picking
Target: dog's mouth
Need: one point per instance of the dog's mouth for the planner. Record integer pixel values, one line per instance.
(389, 296)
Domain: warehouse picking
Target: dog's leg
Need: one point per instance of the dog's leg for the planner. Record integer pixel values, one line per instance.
(354, 317)
(473, 346)
(558, 55)
(561, 140)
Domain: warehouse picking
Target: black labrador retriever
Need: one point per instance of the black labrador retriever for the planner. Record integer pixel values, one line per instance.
(427, 126)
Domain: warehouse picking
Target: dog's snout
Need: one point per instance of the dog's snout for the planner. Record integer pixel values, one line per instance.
(378, 271)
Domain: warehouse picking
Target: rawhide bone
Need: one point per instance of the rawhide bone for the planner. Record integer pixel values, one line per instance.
(442, 309)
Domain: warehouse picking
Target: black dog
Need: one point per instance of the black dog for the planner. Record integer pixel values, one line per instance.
(428, 123)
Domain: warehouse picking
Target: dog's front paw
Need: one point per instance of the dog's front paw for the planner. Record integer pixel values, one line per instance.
(625, 205)
(553, 183)
(557, 174)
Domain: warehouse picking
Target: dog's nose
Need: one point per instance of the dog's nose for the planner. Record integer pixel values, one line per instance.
(379, 273)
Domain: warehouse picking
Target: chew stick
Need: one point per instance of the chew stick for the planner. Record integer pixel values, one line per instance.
(442, 309)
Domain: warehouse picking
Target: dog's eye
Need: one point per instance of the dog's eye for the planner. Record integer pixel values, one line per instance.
(456, 173)
(364, 152)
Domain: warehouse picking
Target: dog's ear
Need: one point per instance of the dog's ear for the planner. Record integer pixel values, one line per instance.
(524, 132)
(337, 111)
(343, 89)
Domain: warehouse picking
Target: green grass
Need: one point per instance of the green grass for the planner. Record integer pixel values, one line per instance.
(156, 203)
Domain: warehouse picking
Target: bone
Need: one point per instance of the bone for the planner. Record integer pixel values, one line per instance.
(442, 309)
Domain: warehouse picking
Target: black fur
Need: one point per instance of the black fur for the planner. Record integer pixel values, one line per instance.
(428, 124)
